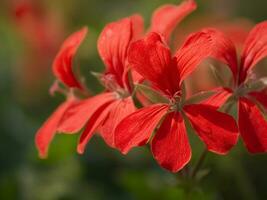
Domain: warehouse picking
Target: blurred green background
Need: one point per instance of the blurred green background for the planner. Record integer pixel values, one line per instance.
(101, 173)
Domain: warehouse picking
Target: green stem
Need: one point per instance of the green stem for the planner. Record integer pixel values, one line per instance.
(199, 163)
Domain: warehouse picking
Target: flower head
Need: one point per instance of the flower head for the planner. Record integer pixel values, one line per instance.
(152, 58)
(251, 122)
(105, 111)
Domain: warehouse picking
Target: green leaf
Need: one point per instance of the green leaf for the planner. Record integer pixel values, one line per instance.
(200, 96)
(152, 95)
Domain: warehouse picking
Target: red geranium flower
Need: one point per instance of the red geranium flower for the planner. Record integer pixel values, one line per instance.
(62, 68)
(41, 30)
(170, 146)
(103, 112)
(252, 124)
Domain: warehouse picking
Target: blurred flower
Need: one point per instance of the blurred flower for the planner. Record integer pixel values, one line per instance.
(41, 31)
(237, 29)
(37, 25)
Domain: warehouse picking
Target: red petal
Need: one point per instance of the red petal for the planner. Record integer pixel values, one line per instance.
(62, 66)
(260, 97)
(77, 116)
(94, 123)
(255, 49)
(119, 111)
(252, 126)
(151, 58)
(137, 78)
(137, 26)
(167, 17)
(136, 129)
(170, 145)
(143, 99)
(113, 44)
(201, 45)
(219, 98)
(236, 30)
(216, 129)
(46, 133)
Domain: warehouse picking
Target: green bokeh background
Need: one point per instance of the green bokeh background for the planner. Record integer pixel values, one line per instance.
(103, 173)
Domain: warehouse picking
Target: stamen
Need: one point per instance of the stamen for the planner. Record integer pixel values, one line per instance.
(111, 84)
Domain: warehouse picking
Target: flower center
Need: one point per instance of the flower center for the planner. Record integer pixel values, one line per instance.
(176, 102)
(110, 82)
(243, 89)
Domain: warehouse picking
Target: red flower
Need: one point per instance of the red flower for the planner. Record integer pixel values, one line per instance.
(41, 30)
(166, 17)
(38, 26)
(170, 146)
(103, 112)
(252, 124)
(62, 68)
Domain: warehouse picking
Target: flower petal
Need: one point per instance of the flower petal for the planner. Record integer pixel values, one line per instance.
(137, 26)
(252, 126)
(261, 97)
(151, 58)
(201, 45)
(136, 129)
(113, 44)
(167, 17)
(170, 145)
(120, 110)
(137, 78)
(93, 124)
(216, 129)
(219, 98)
(77, 116)
(48, 130)
(255, 49)
(62, 65)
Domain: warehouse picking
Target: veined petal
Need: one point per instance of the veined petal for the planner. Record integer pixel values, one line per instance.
(113, 44)
(255, 49)
(170, 145)
(93, 124)
(136, 129)
(219, 98)
(151, 58)
(120, 110)
(62, 65)
(216, 129)
(201, 45)
(77, 116)
(252, 126)
(46, 133)
(167, 17)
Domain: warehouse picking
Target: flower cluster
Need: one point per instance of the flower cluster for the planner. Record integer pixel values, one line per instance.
(145, 98)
